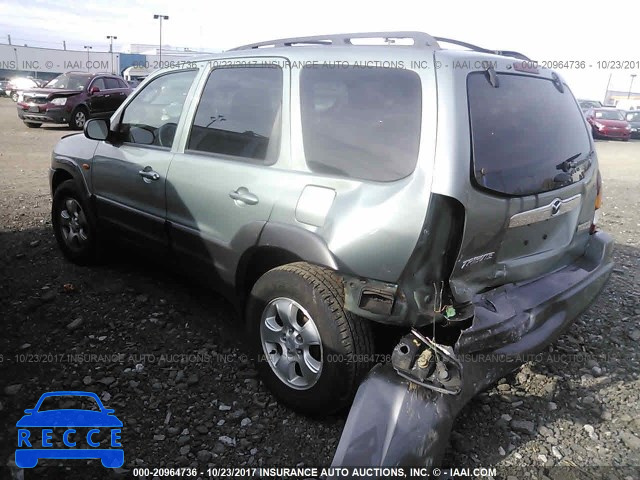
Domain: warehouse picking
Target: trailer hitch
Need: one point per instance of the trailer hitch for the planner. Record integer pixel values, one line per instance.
(428, 364)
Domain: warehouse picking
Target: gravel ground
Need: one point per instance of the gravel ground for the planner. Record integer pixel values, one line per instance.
(169, 356)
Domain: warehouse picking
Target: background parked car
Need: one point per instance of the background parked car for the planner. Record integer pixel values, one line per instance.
(608, 123)
(73, 98)
(587, 104)
(633, 117)
(18, 85)
(4, 82)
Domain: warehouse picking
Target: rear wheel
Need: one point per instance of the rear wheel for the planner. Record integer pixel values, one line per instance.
(32, 124)
(14, 96)
(312, 353)
(78, 118)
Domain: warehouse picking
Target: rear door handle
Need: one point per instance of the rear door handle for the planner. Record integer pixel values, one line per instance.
(243, 195)
(148, 175)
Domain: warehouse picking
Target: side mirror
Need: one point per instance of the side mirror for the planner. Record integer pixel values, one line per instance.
(29, 411)
(96, 129)
(93, 90)
(109, 411)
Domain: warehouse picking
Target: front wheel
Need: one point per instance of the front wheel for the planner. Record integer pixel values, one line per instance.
(32, 124)
(73, 224)
(312, 353)
(78, 118)
(14, 96)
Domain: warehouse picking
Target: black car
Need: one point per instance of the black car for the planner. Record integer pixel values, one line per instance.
(73, 98)
(587, 104)
(633, 117)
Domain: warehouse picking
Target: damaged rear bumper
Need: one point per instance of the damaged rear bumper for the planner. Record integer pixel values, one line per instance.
(524, 317)
(395, 421)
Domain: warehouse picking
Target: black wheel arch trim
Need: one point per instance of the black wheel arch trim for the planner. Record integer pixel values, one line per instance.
(70, 169)
(304, 244)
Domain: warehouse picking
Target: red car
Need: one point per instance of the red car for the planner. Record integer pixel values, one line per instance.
(73, 98)
(608, 123)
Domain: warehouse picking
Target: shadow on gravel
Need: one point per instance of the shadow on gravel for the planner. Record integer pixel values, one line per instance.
(135, 305)
(182, 359)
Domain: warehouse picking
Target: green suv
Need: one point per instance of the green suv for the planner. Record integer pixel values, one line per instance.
(327, 183)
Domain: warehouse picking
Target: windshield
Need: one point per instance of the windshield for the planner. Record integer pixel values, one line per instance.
(609, 115)
(589, 104)
(633, 117)
(68, 82)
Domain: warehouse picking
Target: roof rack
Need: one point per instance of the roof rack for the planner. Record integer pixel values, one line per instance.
(475, 48)
(420, 40)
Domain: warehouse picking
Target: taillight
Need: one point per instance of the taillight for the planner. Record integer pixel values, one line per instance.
(598, 191)
(598, 204)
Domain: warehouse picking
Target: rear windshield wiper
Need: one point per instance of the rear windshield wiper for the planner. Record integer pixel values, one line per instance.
(569, 163)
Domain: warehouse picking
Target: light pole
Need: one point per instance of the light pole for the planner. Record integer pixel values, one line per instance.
(87, 48)
(161, 17)
(633, 76)
(111, 38)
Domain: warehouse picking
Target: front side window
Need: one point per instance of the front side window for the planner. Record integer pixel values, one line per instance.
(361, 122)
(152, 116)
(239, 113)
(99, 83)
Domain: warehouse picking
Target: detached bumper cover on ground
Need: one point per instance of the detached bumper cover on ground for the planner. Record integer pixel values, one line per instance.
(395, 422)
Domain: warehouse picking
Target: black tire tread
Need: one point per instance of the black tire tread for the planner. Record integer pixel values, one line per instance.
(330, 286)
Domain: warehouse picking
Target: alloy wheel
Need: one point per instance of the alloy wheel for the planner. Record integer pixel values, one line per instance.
(291, 343)
(74, 225)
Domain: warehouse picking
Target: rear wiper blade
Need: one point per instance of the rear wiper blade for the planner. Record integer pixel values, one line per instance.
(568, 163)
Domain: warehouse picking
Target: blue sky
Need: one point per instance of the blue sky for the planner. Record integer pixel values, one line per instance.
(548, 30)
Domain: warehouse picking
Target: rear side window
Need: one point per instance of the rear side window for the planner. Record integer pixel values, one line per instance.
(527, 135)
(361, 123)
(239, 113)
(111, 83)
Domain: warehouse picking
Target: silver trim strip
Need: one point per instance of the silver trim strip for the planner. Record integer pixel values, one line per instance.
(555, 208)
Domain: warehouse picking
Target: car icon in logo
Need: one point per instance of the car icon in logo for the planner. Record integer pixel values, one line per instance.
(83, 430)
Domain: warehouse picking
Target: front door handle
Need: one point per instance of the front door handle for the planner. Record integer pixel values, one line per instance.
(148, 175)
(243, 195)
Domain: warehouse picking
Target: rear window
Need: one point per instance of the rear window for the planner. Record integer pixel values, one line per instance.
(361, 123)
(527, 136)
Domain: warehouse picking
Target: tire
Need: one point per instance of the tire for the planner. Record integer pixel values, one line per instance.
(341, 354)
(74, 224)
(78, 118)
(14, 96)
(32, 125)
